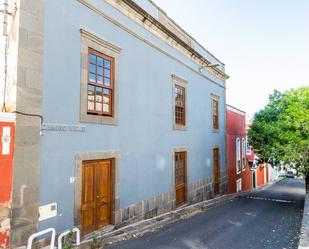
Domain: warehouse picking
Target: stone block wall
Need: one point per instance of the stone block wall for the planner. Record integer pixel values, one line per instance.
(29, 85)
(198, 191)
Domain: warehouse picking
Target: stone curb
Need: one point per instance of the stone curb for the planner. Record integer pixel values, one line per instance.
(304, 236)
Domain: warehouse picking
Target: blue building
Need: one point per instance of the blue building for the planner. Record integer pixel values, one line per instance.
(133, 116)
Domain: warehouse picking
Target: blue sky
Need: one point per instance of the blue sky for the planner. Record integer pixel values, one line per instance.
(264, 43)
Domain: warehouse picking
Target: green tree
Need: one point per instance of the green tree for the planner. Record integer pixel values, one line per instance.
(280, 131)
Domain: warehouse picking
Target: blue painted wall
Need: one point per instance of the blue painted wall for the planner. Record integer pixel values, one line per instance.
(144, 133)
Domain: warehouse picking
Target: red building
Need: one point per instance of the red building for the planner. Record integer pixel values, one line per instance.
(239, 172)
(7, 129)
(259, 170)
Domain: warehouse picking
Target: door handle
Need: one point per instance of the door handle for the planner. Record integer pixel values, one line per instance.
(102, 200)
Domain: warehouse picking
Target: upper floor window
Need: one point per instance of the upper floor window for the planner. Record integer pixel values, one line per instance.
(98, 90)
(248, 147)
(243, 153)
(238, 162)
(215, 113)
(100, 84)
(180, 105)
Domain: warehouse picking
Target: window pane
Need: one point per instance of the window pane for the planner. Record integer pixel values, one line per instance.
(90, 105)
(107, 81)
(105, 107)
(92, 68)
(100, 79)
(98, 98)
(93, 59)
(106, 96)
(90, 88)
(100, 61)
(99, 90)
(90, 95)
(107, 63)
(100, 70)
(98, 94)
(92, 77)
(107, 73)
(98, 107)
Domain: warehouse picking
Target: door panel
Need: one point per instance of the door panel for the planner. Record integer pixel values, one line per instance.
(216, 170)
(103, 192)
(88, 199)
(96, 195)
(180, 177)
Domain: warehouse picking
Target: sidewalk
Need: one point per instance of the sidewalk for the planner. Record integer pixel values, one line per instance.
(304, 237)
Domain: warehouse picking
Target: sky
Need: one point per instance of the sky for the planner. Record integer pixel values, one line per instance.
(263, 43)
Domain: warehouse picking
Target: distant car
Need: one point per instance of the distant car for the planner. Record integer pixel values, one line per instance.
(290, 174)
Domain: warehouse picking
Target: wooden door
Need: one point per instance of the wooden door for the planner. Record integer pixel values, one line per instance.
(96, 195)
(180, 177)
(216, 170)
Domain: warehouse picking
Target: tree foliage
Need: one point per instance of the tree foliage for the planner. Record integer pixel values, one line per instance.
(280, 131)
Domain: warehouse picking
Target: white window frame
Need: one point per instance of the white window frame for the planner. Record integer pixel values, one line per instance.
(243, 154)
(238, 159)
(248, 147)
(176, 80)
(238, 185)
(216, 98)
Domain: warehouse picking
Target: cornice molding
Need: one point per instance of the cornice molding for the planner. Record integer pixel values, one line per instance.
(214, 96)
(236, 110)
(99, 41)
(143, 18)
(179, 79)
(125, 28)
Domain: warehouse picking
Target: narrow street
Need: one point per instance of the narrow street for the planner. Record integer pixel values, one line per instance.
(268, 218)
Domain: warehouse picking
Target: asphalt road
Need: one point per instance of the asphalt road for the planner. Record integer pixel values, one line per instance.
(269, 218)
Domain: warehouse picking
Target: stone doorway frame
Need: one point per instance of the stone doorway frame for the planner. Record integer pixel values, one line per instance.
(88, 156)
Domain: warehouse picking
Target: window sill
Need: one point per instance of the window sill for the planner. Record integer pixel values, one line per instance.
(180, 127)
(94, 119)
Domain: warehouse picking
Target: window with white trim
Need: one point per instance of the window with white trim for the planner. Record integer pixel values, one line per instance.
(248, 147)
(180, 96)
(98, 91)
(238, 185)
(215, 112)
(238, 162)
(243, 153)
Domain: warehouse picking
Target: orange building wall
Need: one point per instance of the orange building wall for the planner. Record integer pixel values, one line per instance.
(6, 173)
